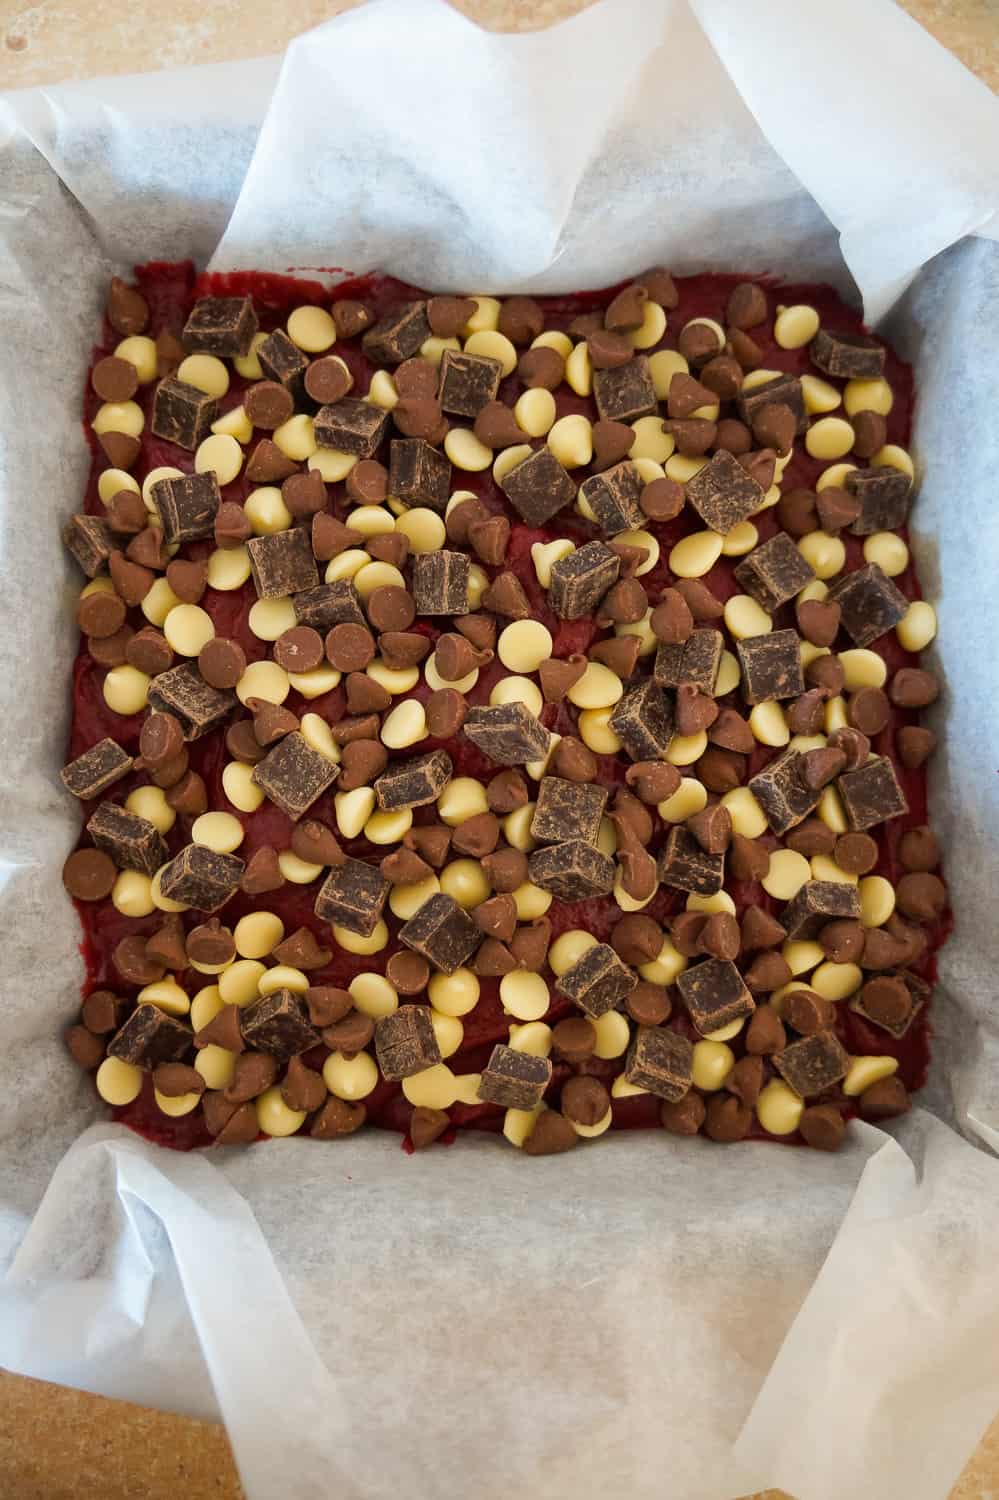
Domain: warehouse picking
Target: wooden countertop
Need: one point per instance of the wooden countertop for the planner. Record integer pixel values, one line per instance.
(58, 1444)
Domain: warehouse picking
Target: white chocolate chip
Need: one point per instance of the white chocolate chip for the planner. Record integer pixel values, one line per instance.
(833, 477)
(466, 882)
(690, 797)
(312, 329)
(768, 723)
(787, 873)
(740, 540)
(216, 1066)
(868, 395)
(150, 802)
(266, 511)
(571, 440)
(433, 1088)
(219, 454)
(744, 617)
(888, 550)
(161, 902)
(478, 582)
(598, 687)
(315, 683)
(423, 528)
(595, 731)
(118, 1082)
(829, 438)
(613, 1035)
(524, 645)
(205, 1006)
(131, 894)
(263, 679)
(347, 565)
(696, 554)
(274, 1118)
(219, 831)
(877, 900)
(825, 554)
(352, 942)
(891, 456)
(720, 901)
(517, 828)
(331, 464)
(651, 440)
(824, 868)
(917, 627)
(726, 1033)
(865, 1071)
(119, 416)
(372, 520)
(836, 981)
(353, 809)
(257, 934)
(568, 948)
(239, 983)
(831, 811)
(553, 338)
(642, 630)
(517, 689)
(544, 555)
(748, 817)
(248, 365)
(531, 901)
(228, 568)
(835, 715)
(819, 396)
(126, 690)
(188, 628)
(449, 1031)
(796, 326)
(507, 459)
(663, 365)
(466, 452)
(862, 668)
(317, 734)
(270, 618)
(684, 749)
(111, 483)
(778, 1108)
(535, 411)
(664, 968)
(405, 900)
(142, 354)
(490, 344)
(461, 799)
(167, 995)
(283, 977)
(433, 349)
(373, 995)
(454, 994)
(205, 372)
(603, 1124)
(176, 1105)
(682, 469)
(713, 1062)
(647, 542)
(579, 370)
(388, 827)
(158, 603)
(235, 424)
(653, 326)
(296, 438)
(435, 682)
(802, 955)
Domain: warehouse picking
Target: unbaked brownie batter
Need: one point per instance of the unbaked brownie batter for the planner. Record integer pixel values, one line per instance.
(499, 713)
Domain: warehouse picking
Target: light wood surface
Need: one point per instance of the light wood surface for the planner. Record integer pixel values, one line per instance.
(58, 1444)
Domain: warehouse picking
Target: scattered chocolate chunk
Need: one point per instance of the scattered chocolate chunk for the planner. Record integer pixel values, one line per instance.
(405, 1042)
(643, 720)
(182, 414)
(414, 783)
(871, 794)
(96, 769)
(813, 1064)
(695, 661)
(150, 1037)
(133, 843)
(816, 903)
(468, 382)
(351, 426)
(201, 878)
(293, 775)
(783, 390)
(567, 810)
(514, 1080)
(353, 896)
(88, 538)
(283, 361)
(398, 335)
(420, 475)
(221, 325)
(884, 494)
(327, 605)
(774, 572)
(625, 393)
(685, 866)
(723, 494)
(538, 488)
(848, 356)
(278, 1024)
(660, 1061)
(440, 582)
(614, 498)
(714, 994)
(869, 602)
(771, 666)
(282, 563)
(442, 932)
(572, 871)
(782, 791)
(508, 734)
(580, 581)
(598, 981)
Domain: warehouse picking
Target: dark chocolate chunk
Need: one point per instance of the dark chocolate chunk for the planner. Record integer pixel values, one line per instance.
(598, 981)
(580, 581)
(419, 474)
(89, 540)
(771, 666)
(414, 783)
(150, 1037)
(567, 810)
(442, 932)
(351, 426)
(696, 661)
(221, 325)
(397, 336)
(812, 1064)
(509, 734)
(849, 356)
(283, 361)
(723, 494)
(514, 1080)
(714, 994)
(133, 843)
(293, 775)
(405, 1042)
(643, 720)
(183, 692)
(783, 390)
(894, 1018)
(660, 1061)
(187, 506)
(440, 582)
(329, 604)
(279, 1024)
(819, 902)
(869, 602)
(613, 497)
(96, 769)
(774, 572)
(282, 563)
(884, 494)
(572, 871)
(871, 794)
(539, 487)
(783, 793)
(201, 878)
(468, 383)
(685, 866)
(625, 393)
(353, 896)
(182, 414)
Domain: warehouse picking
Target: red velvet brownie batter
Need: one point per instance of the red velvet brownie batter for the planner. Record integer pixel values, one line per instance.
(499, 713)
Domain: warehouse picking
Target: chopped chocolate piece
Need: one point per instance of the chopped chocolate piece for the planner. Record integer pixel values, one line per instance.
(150, 1037)
(283, 361)
(278, 1024)
(329, 604)
(714, 994)
(771, 666)
(442, 932)
(201, 878)
(598, 981)
(782, 791)
(871, 794)
(420, 475)
(182, 414)
(813, 1064)
(538, 488)
(723, 494)
(660, 1061)
(282, 563)
(850, 356)
(414, 783)
(626, 392)
(869, 602)
(643, 720)
(774, 572)
(352, 896)
(89, 540)
(783, 390)
(184, 693)
(580, 581)
(815, 904)
(696, 661)
(567, 810)
(468, 382)
(187, 506)
(351, 426)
(508, 734)
(398, 335)
(405, 1042)
(132, 842)
(884, 494)
(514, 1080)
(221, 325)
(685, 866)
(293, 775)
(440, 582)
(573, 870)
(96, 769)
(613, 497)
